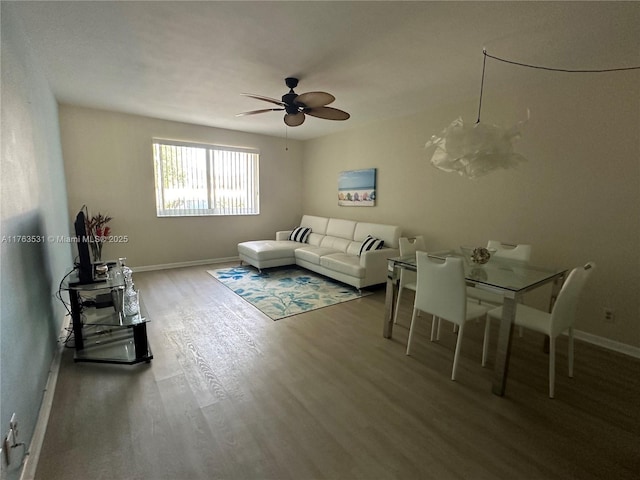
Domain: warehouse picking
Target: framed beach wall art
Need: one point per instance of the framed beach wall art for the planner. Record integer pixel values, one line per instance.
(357, 188)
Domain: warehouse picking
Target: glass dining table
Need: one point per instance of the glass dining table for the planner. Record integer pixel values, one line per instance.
(509, 278)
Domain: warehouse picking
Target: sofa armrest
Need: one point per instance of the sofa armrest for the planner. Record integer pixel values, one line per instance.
(375, 261)
(283, 234)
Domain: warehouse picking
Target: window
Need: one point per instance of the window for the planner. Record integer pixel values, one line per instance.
(193, 179)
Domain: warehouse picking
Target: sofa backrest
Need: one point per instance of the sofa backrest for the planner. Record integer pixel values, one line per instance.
(318, 227)
(340, 233)
(317, 224)
(389, 233)
(335, 243)
(338, 227)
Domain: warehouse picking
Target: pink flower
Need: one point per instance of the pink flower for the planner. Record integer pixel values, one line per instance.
(98, 231)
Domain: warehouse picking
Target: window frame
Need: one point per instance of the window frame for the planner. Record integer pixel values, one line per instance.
(250, 181)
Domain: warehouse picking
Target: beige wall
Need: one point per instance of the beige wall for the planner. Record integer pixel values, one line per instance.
(109, 167)
(576, 199)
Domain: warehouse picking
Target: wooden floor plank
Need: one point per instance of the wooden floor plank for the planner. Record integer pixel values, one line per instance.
(231, 394)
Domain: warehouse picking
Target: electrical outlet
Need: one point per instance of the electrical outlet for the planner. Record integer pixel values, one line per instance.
(609, 315)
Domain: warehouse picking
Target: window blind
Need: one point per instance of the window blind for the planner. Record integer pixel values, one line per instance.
(195, 179)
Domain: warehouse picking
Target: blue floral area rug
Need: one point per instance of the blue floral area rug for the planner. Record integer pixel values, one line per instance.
(285, 291)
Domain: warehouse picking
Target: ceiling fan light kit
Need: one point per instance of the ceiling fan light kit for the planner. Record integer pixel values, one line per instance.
(296, 107)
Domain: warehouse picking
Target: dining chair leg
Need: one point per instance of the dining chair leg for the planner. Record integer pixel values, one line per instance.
(456, 355)
(438, 333)
(552, 366)
(411, 328)
(570, 353)
(485, 343)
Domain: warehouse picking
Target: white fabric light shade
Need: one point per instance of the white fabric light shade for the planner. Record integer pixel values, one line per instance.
(474, 150)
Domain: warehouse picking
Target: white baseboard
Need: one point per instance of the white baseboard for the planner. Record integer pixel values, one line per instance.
(607, 343)
(166, 266)
(35, 447)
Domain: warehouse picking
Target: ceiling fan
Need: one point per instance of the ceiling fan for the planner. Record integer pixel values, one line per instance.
(297, 106)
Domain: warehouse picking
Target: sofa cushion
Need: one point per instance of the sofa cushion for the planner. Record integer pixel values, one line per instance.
(268, 249)
(335, 243)
(315, 239)
(300, 234)
(343, 263)
(312, 254)
(354, 248)
(371, 243)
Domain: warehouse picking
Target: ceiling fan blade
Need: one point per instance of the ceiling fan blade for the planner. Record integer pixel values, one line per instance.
(314, 99)
(253, 112)
(327, 113)
(294, 119)
(266, 99)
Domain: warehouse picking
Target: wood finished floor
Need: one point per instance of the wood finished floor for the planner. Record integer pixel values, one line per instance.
(232, 394)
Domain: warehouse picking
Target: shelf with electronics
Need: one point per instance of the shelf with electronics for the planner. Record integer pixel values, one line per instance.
(108, 326)
(109, 320)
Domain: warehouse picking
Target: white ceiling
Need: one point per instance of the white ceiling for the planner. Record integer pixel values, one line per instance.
(190, 61)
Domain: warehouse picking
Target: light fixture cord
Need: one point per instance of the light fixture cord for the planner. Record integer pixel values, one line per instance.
(603, 70)
(539, 67)
(484, 64)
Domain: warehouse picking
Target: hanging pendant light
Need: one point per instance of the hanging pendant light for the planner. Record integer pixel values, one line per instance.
(476, 150)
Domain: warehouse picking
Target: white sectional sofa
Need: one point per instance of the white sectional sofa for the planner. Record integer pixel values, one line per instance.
(331, 249)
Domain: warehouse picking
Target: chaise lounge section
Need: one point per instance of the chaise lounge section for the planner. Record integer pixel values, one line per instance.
(351, 252)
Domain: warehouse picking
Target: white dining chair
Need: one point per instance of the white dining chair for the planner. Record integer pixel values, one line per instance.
(561, 318)
(441, 292)
(407, 246)
(502, 250)
(515, 252)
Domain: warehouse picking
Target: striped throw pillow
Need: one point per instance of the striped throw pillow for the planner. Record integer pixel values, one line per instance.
(371, 243)
(300, 234)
